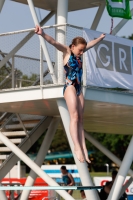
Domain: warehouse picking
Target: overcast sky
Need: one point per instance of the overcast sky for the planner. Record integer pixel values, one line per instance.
(16, 16)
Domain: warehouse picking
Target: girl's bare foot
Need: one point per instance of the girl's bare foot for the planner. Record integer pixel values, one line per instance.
(86, 155)
(79, 154)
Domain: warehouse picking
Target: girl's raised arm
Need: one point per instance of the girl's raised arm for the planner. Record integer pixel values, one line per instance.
(51, 40)
(94, 42)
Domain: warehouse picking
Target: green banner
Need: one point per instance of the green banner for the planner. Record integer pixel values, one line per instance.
(119, 8)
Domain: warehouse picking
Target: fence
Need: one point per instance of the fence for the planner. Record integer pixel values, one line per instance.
(22, 62)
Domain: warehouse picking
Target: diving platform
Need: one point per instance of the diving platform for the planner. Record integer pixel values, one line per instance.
(32, 102)
(73, 5)
(106, 111)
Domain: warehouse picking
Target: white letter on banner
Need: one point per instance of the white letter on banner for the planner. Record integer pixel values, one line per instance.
(108, 57)
(122, 59)
(118, 4)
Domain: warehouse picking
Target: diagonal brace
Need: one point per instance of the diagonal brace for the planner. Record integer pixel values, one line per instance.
(42, 42)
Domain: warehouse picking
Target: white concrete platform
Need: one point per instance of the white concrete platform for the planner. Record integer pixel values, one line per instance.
(72, 4)
(106, 111)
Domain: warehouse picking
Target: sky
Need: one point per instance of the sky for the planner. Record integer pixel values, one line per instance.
(15, 16)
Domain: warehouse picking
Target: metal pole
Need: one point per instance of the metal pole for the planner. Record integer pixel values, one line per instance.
(98, 16)
(84, 76)
(33, 166)
(23, 41)
(82, 167)
(1, 4)
(126, 163)
(13, 80)
(62, 10)
(56, 66)
(125, 186)
(107, 165)
(8, 76)
(41, 65)
(34, 135)
(120, 25)
(105, 151)
(20, 83)
(19, 118)
(41, 155)
(42, 42)
(2, 195)
(19, 169)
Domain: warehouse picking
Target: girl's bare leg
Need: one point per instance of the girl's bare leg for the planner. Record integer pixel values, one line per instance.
(70, 192)
(71, 101)
(80, 126)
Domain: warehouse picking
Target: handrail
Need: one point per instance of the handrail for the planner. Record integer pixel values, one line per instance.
(43, 27)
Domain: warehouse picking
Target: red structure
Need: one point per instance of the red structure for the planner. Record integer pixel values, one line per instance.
(34, 195)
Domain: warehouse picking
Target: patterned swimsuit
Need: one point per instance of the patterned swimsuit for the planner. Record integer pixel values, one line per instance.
(73, 71)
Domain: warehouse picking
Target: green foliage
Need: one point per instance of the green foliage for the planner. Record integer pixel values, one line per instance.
(117, 144)
(4, 71)
(28, 80)
(60, 142)
(130, 37)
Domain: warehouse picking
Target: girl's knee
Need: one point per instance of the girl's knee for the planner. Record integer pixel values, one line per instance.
(75, 117)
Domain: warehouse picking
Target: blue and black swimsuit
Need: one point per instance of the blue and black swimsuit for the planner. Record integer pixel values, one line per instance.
(73, 71)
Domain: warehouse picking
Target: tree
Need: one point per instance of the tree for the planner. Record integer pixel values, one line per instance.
(130, 37)
(117, 144)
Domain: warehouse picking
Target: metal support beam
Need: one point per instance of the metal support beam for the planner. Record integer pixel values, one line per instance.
(13, 71)
(110, 155)
(98, 16)
(3, 195)
(9, 63)
(105, 151)
(19, 118)
(1, 4)
(41, 155)
(7, 121)
(62, 10)
(23, 41)
(12, 188)
(25, 145)
(120, 178)
(41, 65)
(82, 167)
(19, 169)
(42, 42)
(6, 78)
(3, 116)
(126, 186)
(84, 76)
(21, 155)
(120, 25)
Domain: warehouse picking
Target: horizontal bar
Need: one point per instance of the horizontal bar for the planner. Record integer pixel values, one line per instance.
(50, 187)
(43, 27)
(25, 57)
(31, 29)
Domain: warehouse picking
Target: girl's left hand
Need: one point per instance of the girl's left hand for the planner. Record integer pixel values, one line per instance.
(102, 36)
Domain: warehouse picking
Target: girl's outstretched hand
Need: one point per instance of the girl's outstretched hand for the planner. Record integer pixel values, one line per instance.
(102, 36)
(38, 30)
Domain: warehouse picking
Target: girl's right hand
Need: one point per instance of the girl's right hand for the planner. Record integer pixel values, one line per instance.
(38, 30)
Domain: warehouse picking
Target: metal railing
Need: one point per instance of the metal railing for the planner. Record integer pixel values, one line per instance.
(23, 63)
